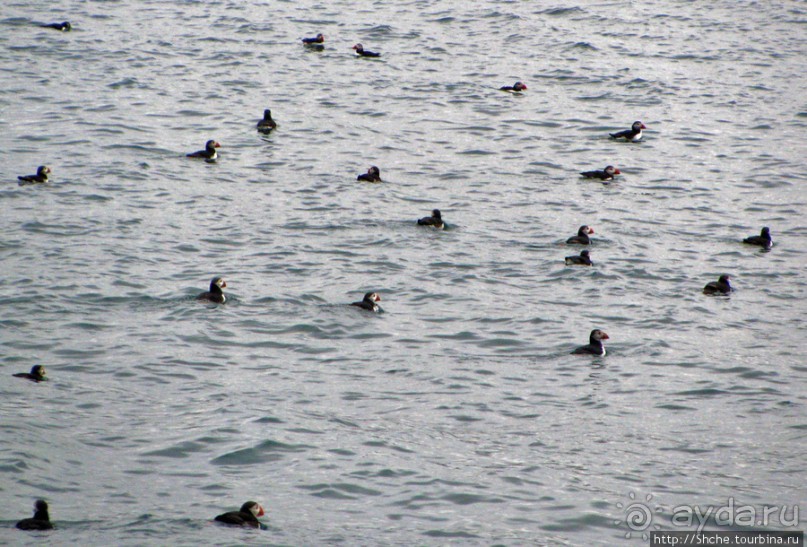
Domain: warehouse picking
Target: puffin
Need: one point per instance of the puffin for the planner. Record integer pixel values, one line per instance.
(594, 346)
(373, 174)
(634, 134)
(515, 88)
(64, 26)
(583, 260)
(435, 221)
(41, 176)
(361, 52)
(209, 153)
(246, 516)
(267, 123)
(763, 239)
(369, 302)
(606, 174)
(721, 286)
(37, 374)
(40, 520)
(318, 39)
(215, 294)
(582, 236)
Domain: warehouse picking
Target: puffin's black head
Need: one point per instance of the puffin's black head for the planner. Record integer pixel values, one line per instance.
(211, 144)
(252, 507)
(320, 38)
(374, 171)
(611, 170)
(518, 86)
(217, 283)
(724, 279)
(38, 371)
(597, 335)
(372, 297)
(267, 114)
(436, 214)
(585, 230)
(637, 125)
(359, 48)
(41, 505)
(766, 232)
(42, 170)
(584, 253)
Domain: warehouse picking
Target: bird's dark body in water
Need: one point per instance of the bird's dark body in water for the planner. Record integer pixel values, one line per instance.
(40, 520)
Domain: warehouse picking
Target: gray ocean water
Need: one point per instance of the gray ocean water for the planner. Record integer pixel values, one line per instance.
(457, 416)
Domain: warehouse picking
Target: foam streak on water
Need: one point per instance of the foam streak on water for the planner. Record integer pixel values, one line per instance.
(458, 415)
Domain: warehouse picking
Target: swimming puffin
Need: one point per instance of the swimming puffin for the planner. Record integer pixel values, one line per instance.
(318, 39)
(369, 302)
(40, 520)
(515, 88)
(721, 286)
(634, 134)
(37, 374)
(606, 174)
(435, 221)
(267, 123)
(582, 236)
(594, 346)
(361, 52)
(41, 176)
(209, 153)
(584, 259)
(64, 27)
(763, 239)
(215, 294)
(246, 516)
(373, 174)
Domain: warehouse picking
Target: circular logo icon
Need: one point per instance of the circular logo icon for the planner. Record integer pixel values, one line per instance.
(638, 516)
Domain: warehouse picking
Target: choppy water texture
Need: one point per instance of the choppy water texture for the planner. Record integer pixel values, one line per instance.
(457, 416)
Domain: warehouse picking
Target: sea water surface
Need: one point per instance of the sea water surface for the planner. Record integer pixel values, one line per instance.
(457, 416)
